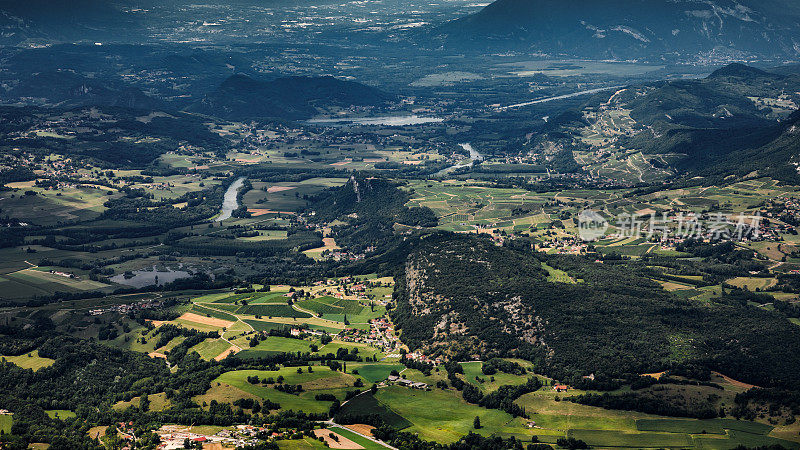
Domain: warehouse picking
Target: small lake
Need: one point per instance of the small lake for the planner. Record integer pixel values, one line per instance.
(394, 121)
(229, 202)
(144, 278)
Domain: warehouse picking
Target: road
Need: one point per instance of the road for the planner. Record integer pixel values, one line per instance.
(558, 97)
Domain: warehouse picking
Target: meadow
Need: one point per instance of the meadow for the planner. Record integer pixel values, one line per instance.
(5, 423)
(30, 360)
(442, 416)
(321, 381)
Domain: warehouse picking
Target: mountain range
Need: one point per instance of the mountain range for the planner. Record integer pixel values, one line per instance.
(241, 97)
(642, 29)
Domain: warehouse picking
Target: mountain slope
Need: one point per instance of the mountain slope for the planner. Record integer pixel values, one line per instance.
(463, 297)
(241, 97)
(68, 89)
(725, 122)
(677, 29)
(779, 158)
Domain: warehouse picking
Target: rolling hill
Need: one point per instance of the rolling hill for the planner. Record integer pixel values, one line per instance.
(68, 89)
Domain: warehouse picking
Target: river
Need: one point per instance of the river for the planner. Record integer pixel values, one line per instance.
(473, 156)
(229, 202)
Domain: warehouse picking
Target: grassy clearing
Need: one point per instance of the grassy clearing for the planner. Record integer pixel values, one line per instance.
(473, 370)
(62, 414)
(364, 350)
(752, 284)
(557, 275)
(222, 393)
(441, 416)
(30, 360)
(276, 344)
(5, 423)
(158, 402)
(321, 380)
(563, 416)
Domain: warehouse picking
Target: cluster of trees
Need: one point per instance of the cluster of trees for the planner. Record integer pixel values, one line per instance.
(411, 441)
(635, 401)
(494, 365)
(503, 398)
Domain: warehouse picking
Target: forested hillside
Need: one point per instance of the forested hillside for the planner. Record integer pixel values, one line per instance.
(463, 296)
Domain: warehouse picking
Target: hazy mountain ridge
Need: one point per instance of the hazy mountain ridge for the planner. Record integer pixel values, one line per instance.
(242, 97)
(68, 89)
(24, 22)
(681, 29)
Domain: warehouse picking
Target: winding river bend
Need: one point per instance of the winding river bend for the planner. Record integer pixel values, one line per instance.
(473, 156)
(229, 202)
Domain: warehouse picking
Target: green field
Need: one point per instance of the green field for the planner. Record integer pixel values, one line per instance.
(210, 348)
(5, 423)
(322, 380)
(272, 310)
(557, 276)
(263, 325)
(713, 426)
(473, 369)
(62, 414)
(611, 438)
(331, 305)
(441, 416)
(276, 344)
(366, 443)
(364, 350)
(213, 313)
(301, 444)
(367, 404)
(374, 372)
(30, 360)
